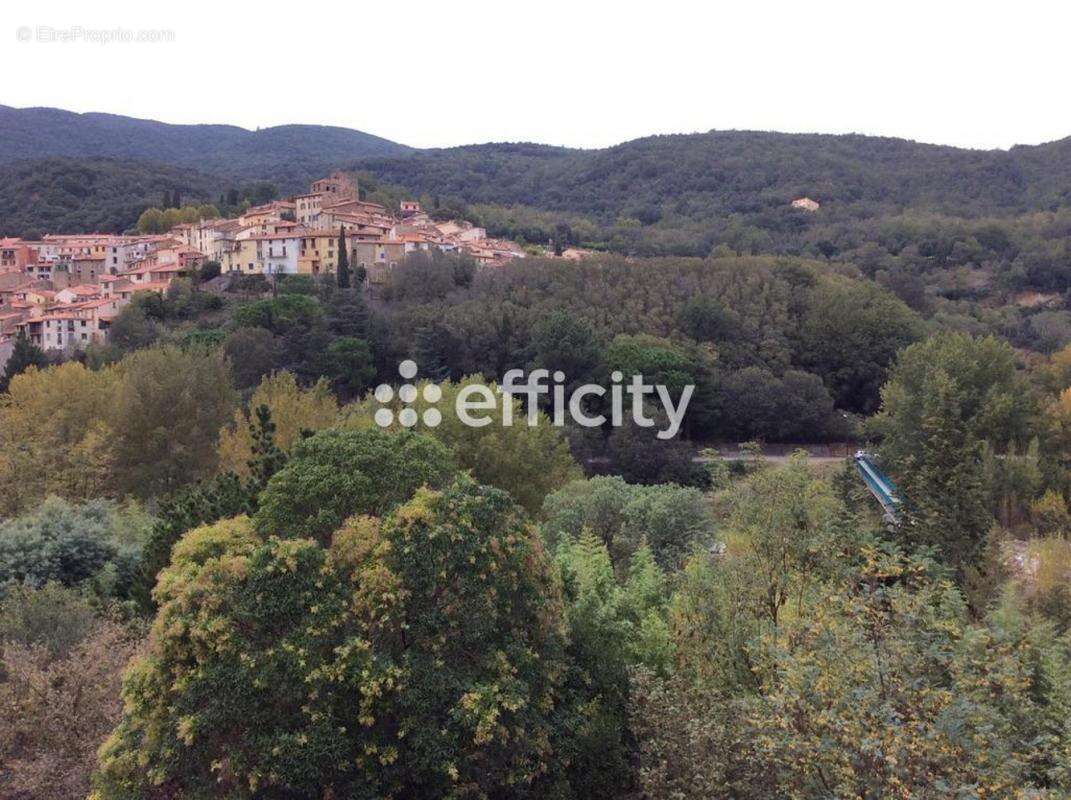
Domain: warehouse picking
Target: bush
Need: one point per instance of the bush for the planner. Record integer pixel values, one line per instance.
(56, 708)
(71, 544)
(52, 617)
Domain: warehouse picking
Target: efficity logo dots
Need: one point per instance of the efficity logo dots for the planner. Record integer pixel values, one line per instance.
(407, 393)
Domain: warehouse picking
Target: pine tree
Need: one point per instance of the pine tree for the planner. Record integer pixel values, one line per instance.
(267, 457)
(165, 201)
(25, 355)
(343, 271)
(176, 199)
(224, 496)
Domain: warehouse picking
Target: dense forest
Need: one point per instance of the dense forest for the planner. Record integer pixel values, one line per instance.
(686, 194)
(67, 195)
(227, 580)
(285, 153)
(224, 574)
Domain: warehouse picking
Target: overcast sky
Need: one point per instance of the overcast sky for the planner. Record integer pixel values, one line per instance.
(577, 73)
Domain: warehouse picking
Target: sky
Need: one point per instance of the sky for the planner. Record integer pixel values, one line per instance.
(579, 73)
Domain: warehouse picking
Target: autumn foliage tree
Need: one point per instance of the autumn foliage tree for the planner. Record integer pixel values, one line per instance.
(417, 654)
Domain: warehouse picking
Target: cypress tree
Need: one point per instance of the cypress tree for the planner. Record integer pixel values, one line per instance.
(343, 271)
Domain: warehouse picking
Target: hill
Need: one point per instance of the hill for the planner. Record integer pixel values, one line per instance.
(732, 172)
(54, 195)
(287, 154)
(686, 194)
(927, 207)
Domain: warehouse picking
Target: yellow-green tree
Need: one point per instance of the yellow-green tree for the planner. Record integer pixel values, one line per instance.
(168, 410)
(55, 436)
(528, 461)
(293, 410)
(419, 655)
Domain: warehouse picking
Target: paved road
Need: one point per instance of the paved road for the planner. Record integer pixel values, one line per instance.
(774, 459)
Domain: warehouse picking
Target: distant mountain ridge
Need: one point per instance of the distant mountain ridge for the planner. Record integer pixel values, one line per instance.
(692, 176)
(283, 153)
(678, 194)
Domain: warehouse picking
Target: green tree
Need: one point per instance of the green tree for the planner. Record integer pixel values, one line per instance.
(850, 335)
(281, 315)
(675, 365)
(24, 355)
(221, 497)
(669, 520)
(133, 328)
(72, 544)
(945, 481)
(947, 398)
(638, 456)
(151, 221)
(168, 412)
(528, 461)
(992, 398)
(785, 521)
(419, 655)
(563, 341)
(253, 353)
(335, 474)
(613, 627)
(347, 314)
(705, 319)
(891, 675)
(343, 270)
(209, 269)
(349, 365)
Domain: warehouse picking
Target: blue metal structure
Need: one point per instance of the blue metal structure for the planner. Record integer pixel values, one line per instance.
(883, 489)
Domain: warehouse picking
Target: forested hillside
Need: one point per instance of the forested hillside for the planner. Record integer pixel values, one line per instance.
(700, 175)
(915, 213)
(230, 572)
(685, 194)
(60, 195)
(285, 153)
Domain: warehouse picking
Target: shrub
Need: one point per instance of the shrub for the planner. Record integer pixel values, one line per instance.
(57, 708)
(70, 544)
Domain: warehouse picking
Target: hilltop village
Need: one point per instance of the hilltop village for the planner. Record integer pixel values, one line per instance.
(63, 291)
